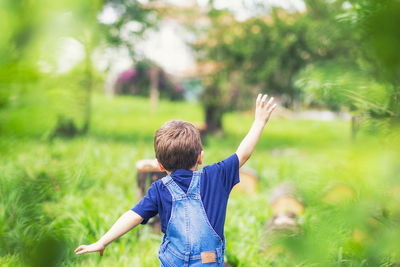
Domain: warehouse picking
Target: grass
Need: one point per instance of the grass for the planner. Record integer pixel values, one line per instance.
(56, 195)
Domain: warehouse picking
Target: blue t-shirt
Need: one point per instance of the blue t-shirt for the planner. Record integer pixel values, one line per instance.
(216, 183)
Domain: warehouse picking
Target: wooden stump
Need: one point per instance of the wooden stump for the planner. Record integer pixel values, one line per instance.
(285, 198)
(148, 172)
(286, 206)
(248, 182)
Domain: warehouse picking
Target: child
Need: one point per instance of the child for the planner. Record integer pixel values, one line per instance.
(191, 203)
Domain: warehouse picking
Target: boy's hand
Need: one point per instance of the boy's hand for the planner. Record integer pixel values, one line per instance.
(264, 108)
(262, 114)
(125, 223)
(90, 248)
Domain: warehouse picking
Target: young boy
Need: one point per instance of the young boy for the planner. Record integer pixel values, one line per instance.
(191, 203)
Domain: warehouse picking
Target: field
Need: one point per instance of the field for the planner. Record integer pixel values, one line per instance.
(57, 194)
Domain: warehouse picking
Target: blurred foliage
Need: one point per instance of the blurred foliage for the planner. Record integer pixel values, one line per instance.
(372, 85)
(378, 21)
(33, 40)
(335, 85)
(27, 229)
(36, 34)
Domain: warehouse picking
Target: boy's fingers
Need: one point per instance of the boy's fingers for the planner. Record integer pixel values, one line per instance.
(101, 252)
(81, 251)
(78, 249)
(272, 108)
(263, 99)
(269, 102)
(258, 99)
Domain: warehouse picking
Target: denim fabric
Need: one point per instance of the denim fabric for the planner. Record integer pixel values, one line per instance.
(189, 231)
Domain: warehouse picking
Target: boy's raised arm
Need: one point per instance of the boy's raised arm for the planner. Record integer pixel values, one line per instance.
(125, 223)
(263, 111)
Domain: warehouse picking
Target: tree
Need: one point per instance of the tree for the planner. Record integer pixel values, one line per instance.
(264, 54)
(86, 27)
(118, 33)
(131, 22)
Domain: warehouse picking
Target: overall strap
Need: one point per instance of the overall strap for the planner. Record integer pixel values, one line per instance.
(194, 188)
(173, 188)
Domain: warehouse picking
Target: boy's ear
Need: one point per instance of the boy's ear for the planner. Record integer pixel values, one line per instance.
(200, 158)
(161, 166)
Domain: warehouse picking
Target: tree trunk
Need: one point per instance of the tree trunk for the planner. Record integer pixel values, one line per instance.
(88, 85)
(214, 119)
(154, 94)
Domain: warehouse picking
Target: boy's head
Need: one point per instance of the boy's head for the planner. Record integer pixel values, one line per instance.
(177, 145)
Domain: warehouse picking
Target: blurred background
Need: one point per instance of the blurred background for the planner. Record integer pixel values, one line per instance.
(85, 84)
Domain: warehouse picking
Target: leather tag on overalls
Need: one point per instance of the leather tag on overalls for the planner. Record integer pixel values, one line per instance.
(208, 257)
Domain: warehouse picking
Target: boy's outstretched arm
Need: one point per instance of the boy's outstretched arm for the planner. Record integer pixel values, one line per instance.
(125, 223)
(263, 111)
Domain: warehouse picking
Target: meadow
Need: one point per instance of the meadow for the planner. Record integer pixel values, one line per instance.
(58, 193)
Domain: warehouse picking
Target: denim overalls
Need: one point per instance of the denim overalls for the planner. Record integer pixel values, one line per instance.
(190, 239)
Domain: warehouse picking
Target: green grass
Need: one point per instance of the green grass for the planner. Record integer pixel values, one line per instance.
(55, 195)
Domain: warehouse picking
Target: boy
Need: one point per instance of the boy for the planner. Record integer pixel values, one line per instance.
(191, 203)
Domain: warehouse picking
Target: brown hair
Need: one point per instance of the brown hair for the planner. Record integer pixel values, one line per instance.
(177, 145)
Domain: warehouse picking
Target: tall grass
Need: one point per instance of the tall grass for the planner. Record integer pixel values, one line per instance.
(57, 194)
